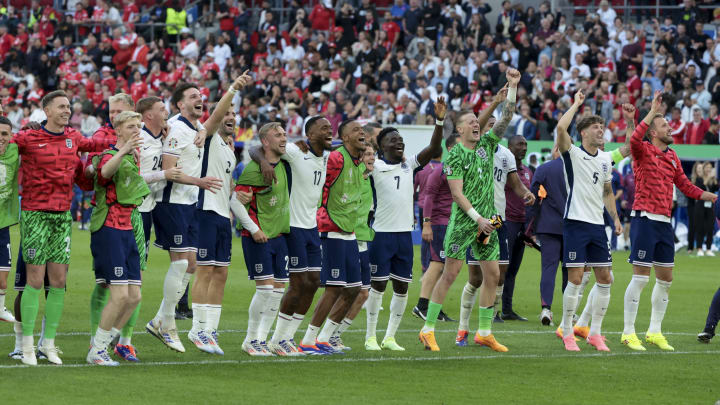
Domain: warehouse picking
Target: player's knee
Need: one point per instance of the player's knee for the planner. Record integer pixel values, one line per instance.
(311, 281)
(363, 295)
(378, 286)
(350, 292)
(220, 275)
(120, 296)
(400, 287)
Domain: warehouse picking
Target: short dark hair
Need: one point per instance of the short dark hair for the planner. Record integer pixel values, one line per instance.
(342, 126)
(588, 121)
(309, 124)
(177, 94)
(146, 103)
(5, 121)
(52, 96)
(385, 131)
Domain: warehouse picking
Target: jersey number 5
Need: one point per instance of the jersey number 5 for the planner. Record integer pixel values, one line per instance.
(596, 176)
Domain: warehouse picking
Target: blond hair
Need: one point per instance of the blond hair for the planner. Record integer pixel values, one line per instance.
(124, 117)
(125, 98)
(265, 129)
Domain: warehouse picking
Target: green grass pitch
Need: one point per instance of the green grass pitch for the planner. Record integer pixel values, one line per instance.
(536, 370)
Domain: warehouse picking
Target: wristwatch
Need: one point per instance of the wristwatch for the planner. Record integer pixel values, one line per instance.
(426, 219)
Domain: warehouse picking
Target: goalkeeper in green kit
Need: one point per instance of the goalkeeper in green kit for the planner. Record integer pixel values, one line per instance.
(469, 170)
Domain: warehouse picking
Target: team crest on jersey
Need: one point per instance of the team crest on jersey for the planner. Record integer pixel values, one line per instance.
(344, 198)
(455, 248)
(118, 271)
(172, 143)
(572, 255)
(482, 153)
(31, 253)
(68, 143)
(202, 252)
(442, 254)
(403, 166)
(448, 170)
(641, 254)
(177, 239)
(258, 268)
(335, 273)
(373, 268)
(294, 261)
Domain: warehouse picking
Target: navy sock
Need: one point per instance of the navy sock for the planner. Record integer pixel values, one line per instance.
(713, 313)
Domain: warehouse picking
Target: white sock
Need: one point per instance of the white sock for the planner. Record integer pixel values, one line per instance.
(2, 299)
(584, 319)
(173, 283)
(467, 301)
(498, 299)
(344, 325)
(102, 339)
(600, 303)
(199, 316)
(258, 304)
(632, 302)
(570, 297)
(27, 342)
(125, 341)
(181, 291)
(212, 317)
(659, 305)
(327, 331)
(283, 325)
(583, 283)
(398, 303)
(310, 335)
(373, 310)
(297, 320)
(269, 316)
(41, 340)
(17, 327)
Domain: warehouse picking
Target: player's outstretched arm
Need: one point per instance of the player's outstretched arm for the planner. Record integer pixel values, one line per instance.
(435, 147)
(563, 137)
(654, 108)
(517, 186)
(485, 114)
(213, 122)
(211, 184)
(609, 200)
(513, 78)
(628, 111)
(456, 186)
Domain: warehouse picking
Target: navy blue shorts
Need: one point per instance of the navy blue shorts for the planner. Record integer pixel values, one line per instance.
(147, 228)
(365, 266)
(391, 256)
(585, 244)
(115, 256)
(652, 243)
(176, 227)
(266, 261)
(215, 241)
(340, 263)
(437, 246)
(304, 250)
(21, 274)
(424, 254)
(5, 252)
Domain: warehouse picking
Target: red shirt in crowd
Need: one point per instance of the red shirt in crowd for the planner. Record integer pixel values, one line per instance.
(696, 132)
(655, 173)
(138, 90)
(322, 17)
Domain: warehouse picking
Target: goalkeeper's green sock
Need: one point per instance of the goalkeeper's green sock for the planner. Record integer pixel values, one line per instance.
(127, 330)
(98, 300)
(432, 315)
(29, 304)
(486, 318)
(53, 313)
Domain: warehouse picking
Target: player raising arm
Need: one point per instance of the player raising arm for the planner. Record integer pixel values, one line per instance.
(657, 168)
(588, 173)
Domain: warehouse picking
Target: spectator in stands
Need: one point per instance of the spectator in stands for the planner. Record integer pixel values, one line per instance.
(697, 128)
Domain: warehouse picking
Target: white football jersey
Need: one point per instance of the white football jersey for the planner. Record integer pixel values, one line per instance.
(504, 164)
(219, 162)
(180, 143)
(394, 195)
(150, 161)
(308, 177)
(585, 178)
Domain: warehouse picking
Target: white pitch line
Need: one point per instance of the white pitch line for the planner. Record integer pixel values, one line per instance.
(373, 359)
(499, 332)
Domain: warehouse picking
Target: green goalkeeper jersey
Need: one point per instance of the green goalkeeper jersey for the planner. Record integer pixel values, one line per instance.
(475, 168)
(9, 201)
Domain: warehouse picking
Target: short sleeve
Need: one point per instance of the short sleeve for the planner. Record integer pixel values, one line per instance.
(512, 166)
(292, 153)
(176, 140)
(452, 167)
(609, 175)
(413, 162)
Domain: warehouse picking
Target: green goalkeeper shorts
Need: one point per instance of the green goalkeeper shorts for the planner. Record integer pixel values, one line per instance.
(462, 233)
(45, 237)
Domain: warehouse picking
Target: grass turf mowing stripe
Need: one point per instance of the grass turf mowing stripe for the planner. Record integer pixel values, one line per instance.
(325, 359)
